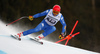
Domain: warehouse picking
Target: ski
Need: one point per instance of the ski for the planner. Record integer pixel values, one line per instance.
(36, 41)
(15, 37)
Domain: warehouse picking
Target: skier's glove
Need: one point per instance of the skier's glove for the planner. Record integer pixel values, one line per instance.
(62, 35)
(30, 18)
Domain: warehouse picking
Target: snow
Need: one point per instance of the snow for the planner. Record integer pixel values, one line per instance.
(26, 46)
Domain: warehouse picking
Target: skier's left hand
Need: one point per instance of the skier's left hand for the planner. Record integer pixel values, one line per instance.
(62, 35)
(30, 18)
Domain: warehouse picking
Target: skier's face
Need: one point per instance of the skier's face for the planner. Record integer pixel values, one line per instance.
(55, 12)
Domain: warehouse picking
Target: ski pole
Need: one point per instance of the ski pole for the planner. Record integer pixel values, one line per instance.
(16, 20)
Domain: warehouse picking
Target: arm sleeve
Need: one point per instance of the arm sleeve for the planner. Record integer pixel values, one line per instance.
(63, 24)
(41, 14)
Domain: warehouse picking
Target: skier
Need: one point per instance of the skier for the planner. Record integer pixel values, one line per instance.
(47, 24)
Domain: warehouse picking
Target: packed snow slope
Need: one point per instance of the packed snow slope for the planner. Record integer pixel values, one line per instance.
(8, 45)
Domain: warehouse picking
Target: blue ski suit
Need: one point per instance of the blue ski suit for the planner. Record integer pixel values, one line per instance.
(48, 29)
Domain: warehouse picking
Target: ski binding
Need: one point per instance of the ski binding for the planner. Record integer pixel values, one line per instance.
(15, 37)
(36, 41)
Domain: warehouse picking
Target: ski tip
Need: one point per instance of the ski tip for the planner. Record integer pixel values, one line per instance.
(37, 41)
(16, 38)
(19, 39)
(77, 21)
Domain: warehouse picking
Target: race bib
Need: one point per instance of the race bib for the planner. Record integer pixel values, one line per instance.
(52, 20)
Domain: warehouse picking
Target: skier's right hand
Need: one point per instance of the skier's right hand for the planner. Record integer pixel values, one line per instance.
(30, 18)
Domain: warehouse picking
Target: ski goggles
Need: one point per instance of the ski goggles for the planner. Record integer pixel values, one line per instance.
(55, 12)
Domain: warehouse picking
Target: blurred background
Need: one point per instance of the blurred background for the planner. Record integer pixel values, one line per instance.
(87, 12)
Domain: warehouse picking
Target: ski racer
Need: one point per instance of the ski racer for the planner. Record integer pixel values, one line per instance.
(47, 24)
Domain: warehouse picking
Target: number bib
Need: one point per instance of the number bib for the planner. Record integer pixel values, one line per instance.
(52, 20)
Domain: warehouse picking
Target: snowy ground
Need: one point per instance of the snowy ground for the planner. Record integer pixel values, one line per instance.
(11, 46)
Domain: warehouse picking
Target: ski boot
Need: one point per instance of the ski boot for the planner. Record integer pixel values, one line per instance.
(17, 36)
(39, 37)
